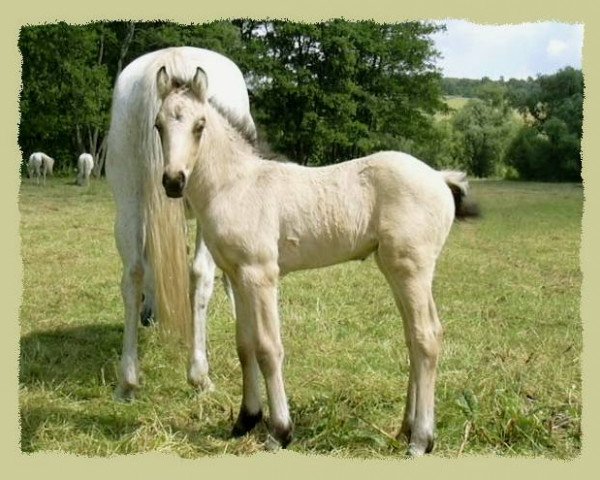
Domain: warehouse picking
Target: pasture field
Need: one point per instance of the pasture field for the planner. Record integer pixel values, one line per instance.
(456, 103)
(509, 381)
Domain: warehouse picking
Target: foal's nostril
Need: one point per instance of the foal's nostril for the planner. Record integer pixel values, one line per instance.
(181, 179)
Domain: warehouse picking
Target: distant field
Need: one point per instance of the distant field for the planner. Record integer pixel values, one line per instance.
(456, 103)
(507, 288)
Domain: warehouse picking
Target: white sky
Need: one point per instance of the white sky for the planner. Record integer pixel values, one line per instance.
(470, 50)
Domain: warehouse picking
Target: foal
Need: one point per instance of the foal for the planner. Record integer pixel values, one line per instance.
(263, 219)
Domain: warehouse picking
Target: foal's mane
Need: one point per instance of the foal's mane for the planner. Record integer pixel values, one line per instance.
(248, 133)
(246, 130)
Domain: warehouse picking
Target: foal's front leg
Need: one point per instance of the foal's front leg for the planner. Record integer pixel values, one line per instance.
(260, 347)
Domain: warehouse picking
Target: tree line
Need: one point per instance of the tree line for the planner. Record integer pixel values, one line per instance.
(320, 93)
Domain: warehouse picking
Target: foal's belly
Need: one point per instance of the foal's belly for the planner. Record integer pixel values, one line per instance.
(297, 253)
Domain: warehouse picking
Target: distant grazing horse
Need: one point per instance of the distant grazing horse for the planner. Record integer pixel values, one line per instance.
(39, 164)
(85, 164)
(263, 219)
(147, 224)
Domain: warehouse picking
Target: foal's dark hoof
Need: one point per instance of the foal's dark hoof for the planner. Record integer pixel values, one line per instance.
(284, 435)
(245, 422)
(147, 317)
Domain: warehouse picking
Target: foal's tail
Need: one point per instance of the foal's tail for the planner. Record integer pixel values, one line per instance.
(459, 186)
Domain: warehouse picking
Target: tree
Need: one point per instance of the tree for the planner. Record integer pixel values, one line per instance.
(334, 90)
(66, 90)
(549, 145)
(321, 93)
(484, 130)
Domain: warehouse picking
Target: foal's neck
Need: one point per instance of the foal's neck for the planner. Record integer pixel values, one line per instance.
(224, 158)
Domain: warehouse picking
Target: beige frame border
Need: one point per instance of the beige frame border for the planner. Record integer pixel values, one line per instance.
(287, 464)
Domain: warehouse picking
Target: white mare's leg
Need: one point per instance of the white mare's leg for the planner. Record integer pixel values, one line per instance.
(148, 315)
(411, 280)
(128, 235)
(259, 345)
(229, 293)
(203, 278)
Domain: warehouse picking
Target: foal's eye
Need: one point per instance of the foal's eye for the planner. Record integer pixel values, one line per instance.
(198, 127)
(158, 127)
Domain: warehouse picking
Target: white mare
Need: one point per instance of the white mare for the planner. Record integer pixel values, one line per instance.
(85, 164)
(263, 219)
(39, 165)
(149, 229)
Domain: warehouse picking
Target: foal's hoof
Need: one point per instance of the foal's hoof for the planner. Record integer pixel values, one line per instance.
(245, 422)
(282, 435)
(147, 317)
(271, 445)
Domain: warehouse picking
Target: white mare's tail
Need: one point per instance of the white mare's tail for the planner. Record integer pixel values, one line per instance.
(459, 186)
(165, 232)
(167, 253)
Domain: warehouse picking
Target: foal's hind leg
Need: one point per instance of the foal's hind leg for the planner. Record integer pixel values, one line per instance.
(203, 277)
(411, 280)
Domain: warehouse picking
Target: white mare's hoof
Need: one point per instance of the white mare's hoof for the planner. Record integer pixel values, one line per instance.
(201, 384)
(125, 393)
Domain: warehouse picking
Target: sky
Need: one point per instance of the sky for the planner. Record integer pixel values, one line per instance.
(470, 50)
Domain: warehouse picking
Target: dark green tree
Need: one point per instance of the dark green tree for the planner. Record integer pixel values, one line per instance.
(483, 130)
(334, 90)
(549, 146)
(66, 90)
(321, 92)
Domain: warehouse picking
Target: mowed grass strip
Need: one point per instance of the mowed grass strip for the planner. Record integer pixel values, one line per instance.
(509, 382)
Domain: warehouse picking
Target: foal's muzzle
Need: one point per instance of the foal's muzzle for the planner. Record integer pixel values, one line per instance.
(174, 185)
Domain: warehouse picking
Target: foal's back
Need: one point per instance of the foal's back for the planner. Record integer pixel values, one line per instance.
(328, 215)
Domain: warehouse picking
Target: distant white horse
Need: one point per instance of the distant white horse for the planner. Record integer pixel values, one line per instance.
(263, 219)
(39, 164)
(85, 164)
(147, 225)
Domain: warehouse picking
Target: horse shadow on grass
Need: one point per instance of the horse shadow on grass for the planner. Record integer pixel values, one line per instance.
(81, 356)
(68, 377)
(67, 380)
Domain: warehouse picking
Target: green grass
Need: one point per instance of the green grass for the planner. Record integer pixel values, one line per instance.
(509, 382)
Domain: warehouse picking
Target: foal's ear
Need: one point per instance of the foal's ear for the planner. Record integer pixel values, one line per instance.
(163, 83)
(200, 84)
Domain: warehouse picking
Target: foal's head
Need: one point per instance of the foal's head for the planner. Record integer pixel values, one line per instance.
(180, 122)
